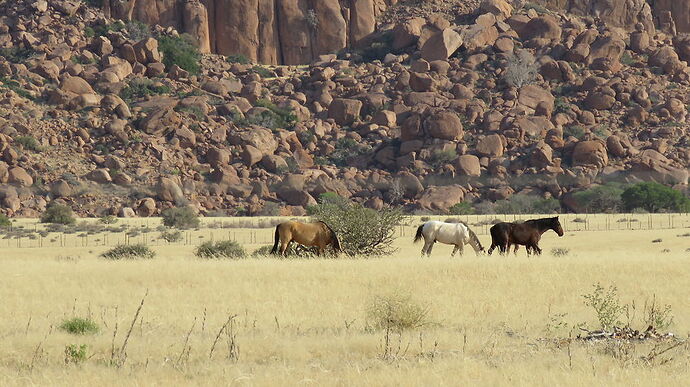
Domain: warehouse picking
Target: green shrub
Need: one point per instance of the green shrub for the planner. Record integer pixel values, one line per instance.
(182, 218)
(136, 251)
(58, 213)
(75, 354)
(137, 30)
(16, 54)
(396, 311)
(654, 197)
(361, 231)
(238, 58)
(108, 219)
(576, 131)
(345, 149)
(141, 87)
(283, 118)
(222, 249)
(79, 326)
(603, 198)
(5, 221)
(11, 84)
(606, 305)
(440, 158)
(171, 236)
(94, 3)
(181, 51)
(29, 143)
(263, 72)
(462, 208)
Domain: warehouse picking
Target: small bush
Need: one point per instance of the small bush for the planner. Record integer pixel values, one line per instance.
(75, 354)
(462, 208)
(79, 326)
(58, 214)
(657, 316)
(282, 118)
(606, 305)
(142, 87)
(180, 51)
(222, 249)
(654, 197)
(108, 219)
(137, 30)
(182, 218)
(396, 311)
(171, 236)
(137, 251)
(29, 143)
(527, 204)
(238, 58)
(440, 158)
(263, 72)
(5, 221)
(521, 69)
(263, 251)
(576, 131)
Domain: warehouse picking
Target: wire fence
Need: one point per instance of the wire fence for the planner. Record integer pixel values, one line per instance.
(260, 231)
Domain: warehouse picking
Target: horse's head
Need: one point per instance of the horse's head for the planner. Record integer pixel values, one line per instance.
(556, 226)
(333, 238)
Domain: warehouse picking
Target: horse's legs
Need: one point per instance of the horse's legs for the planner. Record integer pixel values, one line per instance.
(516, 249)
(431, 246)
(425, 248)
(456, 249)
(284, 246)
(491, 249)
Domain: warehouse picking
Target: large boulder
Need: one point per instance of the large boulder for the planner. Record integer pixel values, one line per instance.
(444, 125)
(542, 27)
(441, 198)
(468, 165)
(442, 45)
(532, 95)
(492, 145)
(168, 190)
(344, 111)
(590, 153)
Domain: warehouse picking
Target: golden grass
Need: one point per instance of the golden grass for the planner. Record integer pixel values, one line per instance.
(303, 321)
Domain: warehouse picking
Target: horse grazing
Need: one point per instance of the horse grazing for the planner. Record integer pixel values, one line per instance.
(457, 234)
(317, 234)
(527, 233)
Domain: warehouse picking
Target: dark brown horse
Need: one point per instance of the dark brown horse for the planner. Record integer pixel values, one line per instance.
(317, 234)
(527, 233)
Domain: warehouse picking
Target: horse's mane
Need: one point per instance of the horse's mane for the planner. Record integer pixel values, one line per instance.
(327, 226)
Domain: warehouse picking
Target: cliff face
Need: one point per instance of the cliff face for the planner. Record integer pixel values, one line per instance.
(265, 31)
(626, 13)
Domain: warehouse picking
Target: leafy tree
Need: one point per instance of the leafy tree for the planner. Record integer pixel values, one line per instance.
(58, 213)
(654, 197)
(182, 218)
(462, 208)
(361, 231)
(603, 198)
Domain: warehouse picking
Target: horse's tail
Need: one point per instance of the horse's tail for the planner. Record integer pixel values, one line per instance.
(418, 235)
(274, 250)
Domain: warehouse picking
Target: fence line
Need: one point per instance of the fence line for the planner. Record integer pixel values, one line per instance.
(257, 236)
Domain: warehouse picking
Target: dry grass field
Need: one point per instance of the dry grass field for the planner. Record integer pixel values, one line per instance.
(489, 320)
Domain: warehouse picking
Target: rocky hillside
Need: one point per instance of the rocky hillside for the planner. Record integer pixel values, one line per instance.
(297, 32)
(498, 104)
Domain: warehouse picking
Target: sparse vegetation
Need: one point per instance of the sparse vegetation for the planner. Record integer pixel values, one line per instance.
(606, 305)
(171, 236)
(521, 69)
(238, 58)
(604, 198)
(139, 88)
(221, 249)
(527, 204)
(462, 208)
(135, 251)
(75, 354)
(396, 311)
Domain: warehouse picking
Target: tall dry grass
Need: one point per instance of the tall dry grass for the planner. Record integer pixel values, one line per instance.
(488, 320)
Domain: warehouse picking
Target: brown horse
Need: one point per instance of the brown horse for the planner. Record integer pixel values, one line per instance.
(527, 233)
(317, 234)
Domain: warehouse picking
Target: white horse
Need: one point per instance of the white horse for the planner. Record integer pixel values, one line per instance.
(458, 234)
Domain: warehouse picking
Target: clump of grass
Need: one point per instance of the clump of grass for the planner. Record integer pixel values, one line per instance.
(79, 326)
(560, 251)
(238, 58)
(108, 219)
(222, 249)
(29, 143)
(136, 251)
(262, 251)
(171, 236)
(396, 311)
(75, 354)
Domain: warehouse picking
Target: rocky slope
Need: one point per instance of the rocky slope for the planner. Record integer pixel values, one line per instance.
(297, 31)
(500, 102)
